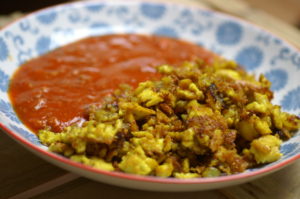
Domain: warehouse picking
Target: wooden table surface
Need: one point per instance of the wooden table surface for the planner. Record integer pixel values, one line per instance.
(24, 175)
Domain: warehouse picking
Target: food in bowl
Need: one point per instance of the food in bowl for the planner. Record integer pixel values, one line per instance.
(203, 117)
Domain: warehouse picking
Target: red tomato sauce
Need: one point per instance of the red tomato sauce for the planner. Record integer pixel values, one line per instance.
(55, 89)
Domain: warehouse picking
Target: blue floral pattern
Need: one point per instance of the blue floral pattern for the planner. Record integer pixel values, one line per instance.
(100, 25)
(74, 16)
(43, 45)
(250, 57)
(24, 52)
(120, 11)
(267, 39)
(4, 79)
(3, 50)
(229, 33)
(258, 51)
(94, 8)
(278, 77)
(47, 17)
(289, 149)
(64, 31)
(166, 31)
(291, 100)
(188, 21)
(25, 26)
(30, 136)
(6, 109)
(129, 19)
(285, 54)
(185, 19)
(152, 11)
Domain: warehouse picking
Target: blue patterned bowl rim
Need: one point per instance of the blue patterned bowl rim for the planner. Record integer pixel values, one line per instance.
(231, 26)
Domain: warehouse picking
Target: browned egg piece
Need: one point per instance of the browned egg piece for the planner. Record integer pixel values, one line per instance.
(198, 120)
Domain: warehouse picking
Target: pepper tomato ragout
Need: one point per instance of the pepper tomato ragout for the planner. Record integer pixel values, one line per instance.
(193, 115)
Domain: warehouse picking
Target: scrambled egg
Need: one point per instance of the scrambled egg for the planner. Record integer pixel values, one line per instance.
(198, 120)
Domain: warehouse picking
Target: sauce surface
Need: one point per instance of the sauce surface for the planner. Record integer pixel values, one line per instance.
(55, 89)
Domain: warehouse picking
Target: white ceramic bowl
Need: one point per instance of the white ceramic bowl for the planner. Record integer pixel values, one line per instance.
(257, 50)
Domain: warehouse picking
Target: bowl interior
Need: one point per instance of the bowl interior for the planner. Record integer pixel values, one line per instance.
(257, 50)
